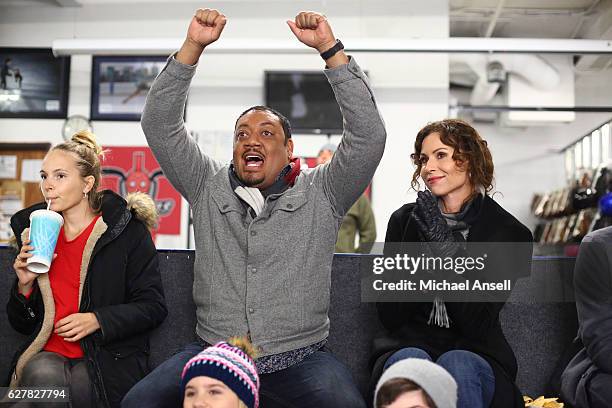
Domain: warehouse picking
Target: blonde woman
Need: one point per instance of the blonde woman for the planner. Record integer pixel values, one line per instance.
(88, 318)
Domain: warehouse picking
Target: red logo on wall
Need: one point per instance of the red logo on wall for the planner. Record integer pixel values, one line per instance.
(130, 169)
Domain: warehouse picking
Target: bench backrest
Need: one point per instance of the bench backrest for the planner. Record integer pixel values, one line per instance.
(538, 332)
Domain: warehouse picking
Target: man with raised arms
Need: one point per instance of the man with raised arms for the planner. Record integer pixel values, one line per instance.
(264, 228)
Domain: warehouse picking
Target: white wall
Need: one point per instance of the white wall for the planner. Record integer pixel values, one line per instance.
(410, 89)
(528, 161)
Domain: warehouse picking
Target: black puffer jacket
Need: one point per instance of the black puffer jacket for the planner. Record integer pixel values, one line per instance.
(120, 283)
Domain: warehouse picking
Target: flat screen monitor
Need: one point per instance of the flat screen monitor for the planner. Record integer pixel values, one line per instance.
(306, 99)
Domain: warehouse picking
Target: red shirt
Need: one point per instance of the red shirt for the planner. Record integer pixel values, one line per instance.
(65, 278)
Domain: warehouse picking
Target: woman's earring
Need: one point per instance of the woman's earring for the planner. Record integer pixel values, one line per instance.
(84, 195)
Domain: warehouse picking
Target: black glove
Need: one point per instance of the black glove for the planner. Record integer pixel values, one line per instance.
(433, 227)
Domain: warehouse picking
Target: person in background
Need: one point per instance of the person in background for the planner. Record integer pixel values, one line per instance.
(464, 337)
(18, 77)
(415, 383)
(586, 381)
(358, 220)
(222, 376)
(5, 71)
(90, 317)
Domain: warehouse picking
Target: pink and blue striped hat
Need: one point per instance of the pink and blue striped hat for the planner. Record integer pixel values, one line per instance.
(229, 364)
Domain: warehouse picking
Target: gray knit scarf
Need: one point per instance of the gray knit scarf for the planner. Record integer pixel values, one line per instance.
(459, 224)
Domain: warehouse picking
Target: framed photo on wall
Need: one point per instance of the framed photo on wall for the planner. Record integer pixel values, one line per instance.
(33, 83)
(120, 84)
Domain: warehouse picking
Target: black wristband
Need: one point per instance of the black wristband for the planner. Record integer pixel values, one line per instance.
(333, 50)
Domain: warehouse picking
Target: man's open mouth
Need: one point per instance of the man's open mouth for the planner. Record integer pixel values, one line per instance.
(253, 160)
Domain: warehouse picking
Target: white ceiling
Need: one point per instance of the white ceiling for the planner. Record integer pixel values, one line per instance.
(586, 19)
(468, 18)
(536, 18)
(581, 19)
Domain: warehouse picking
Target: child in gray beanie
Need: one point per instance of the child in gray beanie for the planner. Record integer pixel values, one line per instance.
(415, 382)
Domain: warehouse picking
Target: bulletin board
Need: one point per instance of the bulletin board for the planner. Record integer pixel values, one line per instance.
(20, 164)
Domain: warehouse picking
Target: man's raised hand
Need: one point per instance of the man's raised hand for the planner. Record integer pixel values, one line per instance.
(313, 30)
(204, 29)
(206, 26)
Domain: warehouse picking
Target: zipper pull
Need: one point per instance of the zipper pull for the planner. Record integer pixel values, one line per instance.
(31, 312)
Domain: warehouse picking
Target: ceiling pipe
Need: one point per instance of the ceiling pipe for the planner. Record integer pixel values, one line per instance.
(68, 3)
(493, 23)
(485, 11)
(583, 18)
(538, 72)
(483, 91)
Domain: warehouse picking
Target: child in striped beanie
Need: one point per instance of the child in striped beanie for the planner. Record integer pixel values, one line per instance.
(222, 376)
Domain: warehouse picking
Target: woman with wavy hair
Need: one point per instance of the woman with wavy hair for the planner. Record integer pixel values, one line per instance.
(465, 338)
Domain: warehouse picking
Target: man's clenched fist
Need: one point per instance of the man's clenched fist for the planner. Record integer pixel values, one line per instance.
(204, 29)
(313, 30)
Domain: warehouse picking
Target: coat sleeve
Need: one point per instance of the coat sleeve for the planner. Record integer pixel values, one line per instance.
(393, 315)
(353, 165)
(593, 287)
(145, 306)
(178, 154)
(24, 314)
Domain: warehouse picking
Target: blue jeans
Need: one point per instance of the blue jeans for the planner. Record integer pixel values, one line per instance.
(320, 380)
(474, 376)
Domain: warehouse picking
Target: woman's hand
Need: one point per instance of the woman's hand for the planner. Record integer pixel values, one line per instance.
(429, 218)
(432, 225)
(24, 276)
(76, 326)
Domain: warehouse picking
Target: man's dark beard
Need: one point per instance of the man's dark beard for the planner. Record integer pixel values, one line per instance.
(252, 182)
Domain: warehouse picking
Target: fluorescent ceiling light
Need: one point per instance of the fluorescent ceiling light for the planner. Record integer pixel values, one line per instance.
(262, 46)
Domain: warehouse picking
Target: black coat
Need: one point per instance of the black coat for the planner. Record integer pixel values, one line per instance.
(475, 326)
(122, 286)
(593, 289)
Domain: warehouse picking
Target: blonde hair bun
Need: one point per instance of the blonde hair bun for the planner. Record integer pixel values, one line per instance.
(87, 138)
